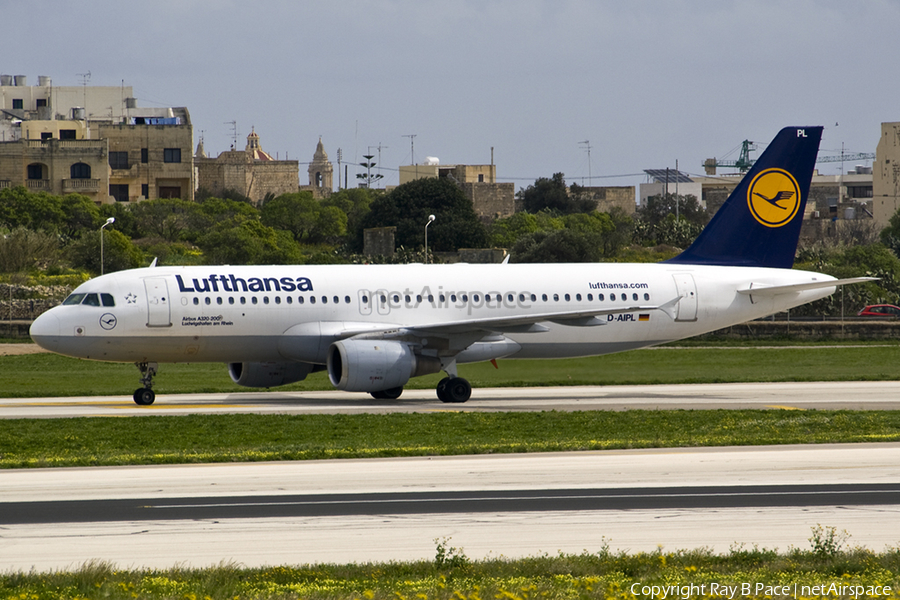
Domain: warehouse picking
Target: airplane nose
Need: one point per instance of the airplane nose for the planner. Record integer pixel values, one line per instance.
(45, 331)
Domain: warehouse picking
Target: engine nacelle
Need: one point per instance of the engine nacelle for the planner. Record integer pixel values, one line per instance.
(268, 374)
(375, 365)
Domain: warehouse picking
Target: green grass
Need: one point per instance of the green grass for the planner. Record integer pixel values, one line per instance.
(91, 441)
(451, 575)
(47, 375)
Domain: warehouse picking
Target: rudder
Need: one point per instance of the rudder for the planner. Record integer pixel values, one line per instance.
(759, 223)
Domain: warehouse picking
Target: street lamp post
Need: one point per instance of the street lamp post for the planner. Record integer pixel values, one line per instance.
(430, 220)
(109, 221)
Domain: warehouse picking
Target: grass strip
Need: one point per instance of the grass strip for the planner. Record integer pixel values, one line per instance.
(50, 375)
(451, 575)
(91, 441)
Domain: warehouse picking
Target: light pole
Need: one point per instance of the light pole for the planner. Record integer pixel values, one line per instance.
(109, 221)
(430, 221)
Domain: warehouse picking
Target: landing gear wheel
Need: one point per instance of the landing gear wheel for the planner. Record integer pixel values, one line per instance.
(454, 390)
(144, 396)
(442, 389)
(390, 394)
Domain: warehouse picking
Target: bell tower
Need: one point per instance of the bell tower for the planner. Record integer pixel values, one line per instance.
(320, 169)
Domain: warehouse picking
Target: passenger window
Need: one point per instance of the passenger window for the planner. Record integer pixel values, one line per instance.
(91, 300)
(107, 300)
(289, 299)
(219, 300)
(196, 301)
(590, 297)
(277, 299)
(74, 299)
(544, 297)
(578, 297)
(646, 296)
(634, 297)
(243, 300)
(365, 299)
(568, 297)
(346, 299)
(207, 301)
(265, 299)
(254, 300)
(299, 299)
(230, 299)
(312, 299)
(556, 297)
(600, 297)
(324, 299)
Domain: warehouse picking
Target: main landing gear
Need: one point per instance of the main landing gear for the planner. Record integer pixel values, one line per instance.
(144, 396)
(454, 390)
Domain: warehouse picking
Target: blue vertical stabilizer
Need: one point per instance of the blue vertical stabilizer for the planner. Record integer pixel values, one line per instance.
(759, 224)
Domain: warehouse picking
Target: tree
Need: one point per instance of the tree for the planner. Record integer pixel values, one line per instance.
(119, 252)
(552, 194)
(304, 218)
(80, 215)
(22, 249)
(353, 202)
(166, 218)
(408, 206)
(249, 243)
(36, 211)
(565, 245)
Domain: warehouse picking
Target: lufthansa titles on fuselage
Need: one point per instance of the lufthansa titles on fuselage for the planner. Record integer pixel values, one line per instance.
(231, 283)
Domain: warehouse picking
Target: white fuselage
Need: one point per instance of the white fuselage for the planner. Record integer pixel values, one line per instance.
(292, 313)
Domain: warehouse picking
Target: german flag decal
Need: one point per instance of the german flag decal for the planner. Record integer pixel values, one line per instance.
(643, 317)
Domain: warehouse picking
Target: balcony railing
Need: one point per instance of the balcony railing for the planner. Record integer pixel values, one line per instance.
(38, 184)
(5, 183)
(80, 185)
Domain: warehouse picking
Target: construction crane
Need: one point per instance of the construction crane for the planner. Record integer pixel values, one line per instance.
(743, 163)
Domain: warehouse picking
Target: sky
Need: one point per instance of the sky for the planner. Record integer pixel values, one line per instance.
(598, 90)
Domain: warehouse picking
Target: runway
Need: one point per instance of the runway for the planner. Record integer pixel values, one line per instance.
(856, 395)
(396, 509)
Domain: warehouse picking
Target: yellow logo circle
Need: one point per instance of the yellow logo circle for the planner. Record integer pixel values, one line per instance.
(773, 197)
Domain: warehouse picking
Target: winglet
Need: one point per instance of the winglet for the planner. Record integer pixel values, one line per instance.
(759, 224)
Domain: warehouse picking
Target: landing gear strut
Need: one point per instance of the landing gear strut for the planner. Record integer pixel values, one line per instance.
(145, 396)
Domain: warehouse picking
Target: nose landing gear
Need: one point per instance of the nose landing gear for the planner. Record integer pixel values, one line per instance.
(145, 396)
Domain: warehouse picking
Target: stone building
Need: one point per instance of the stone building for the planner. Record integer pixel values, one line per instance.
(886, 174)
(94, 141)
(251, 172)
(321, 174)
(491, 200)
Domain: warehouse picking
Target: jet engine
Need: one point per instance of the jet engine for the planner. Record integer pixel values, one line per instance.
(268, 374)
(375, 365)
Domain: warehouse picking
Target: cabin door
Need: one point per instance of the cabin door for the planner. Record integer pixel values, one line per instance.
(158, 312)
(686, 309)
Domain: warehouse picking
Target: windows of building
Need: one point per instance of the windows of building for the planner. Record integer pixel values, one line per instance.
(80, 170)
(18, 103)
(172, 155)
(169, 191)
(119, 191)
(35, 171)
(118, 160)
(145, 156)
(41, 102)
(145, 190)
(67, 134)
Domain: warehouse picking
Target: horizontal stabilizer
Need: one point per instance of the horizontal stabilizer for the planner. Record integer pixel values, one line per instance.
(763, 289)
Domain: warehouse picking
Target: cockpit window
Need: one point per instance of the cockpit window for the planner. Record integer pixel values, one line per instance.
(91, 300)
(74, 299)
(107, 300)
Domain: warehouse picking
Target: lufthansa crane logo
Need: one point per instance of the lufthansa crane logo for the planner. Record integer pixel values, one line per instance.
(773, 197)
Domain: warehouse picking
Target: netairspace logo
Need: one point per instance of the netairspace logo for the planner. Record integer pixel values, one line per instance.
(755, 590)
